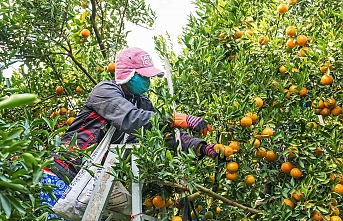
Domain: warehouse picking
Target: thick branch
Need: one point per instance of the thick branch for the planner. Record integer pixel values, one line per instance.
(96, 31)
(212, 194)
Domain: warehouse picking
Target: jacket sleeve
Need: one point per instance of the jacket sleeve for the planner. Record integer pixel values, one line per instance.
(108, 100)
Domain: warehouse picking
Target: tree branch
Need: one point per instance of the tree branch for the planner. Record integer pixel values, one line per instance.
(96, 31)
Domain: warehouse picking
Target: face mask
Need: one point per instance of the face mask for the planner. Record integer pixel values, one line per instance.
(138, 84)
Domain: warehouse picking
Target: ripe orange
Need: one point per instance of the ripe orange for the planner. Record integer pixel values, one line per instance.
(290, 43)
(271, 156)
(235, 146)
(85, 33)
(169, 202)
(335, 218)
(263, 40)
(176, 218)
(297, 195)
(319, 151)
(267, 132)
(292, 2)
(282, 8)
(330, 103)
(296, 173)
(158, 202)
(318, 104)
(338, 189)
(292, 88)
(239, 34)
(282, 69)
(286, 167)
(314, 124)
(231, 176)
(337, 110)
(228, 151)
(221, 35)
(111, 67)
(59, 90)
(255, 142)
(301, 40)
(70, 120)
(148, 202)
(249, 180)
(303, 92)
(302, 51)
(261, 152)
(316, 215)
(252, 116)
(218, 209)
(325, 112)
(84, 4)
(246, 121)
(323, 69)
(291, 149)
(291, 31)
(334, 210)
(232, 167)
(289, 203)
(326, 79)
(258, 101)
(63, 111)
(249, 31)
(78, 89)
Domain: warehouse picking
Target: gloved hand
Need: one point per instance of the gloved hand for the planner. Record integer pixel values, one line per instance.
(196, 124)
(208, 150)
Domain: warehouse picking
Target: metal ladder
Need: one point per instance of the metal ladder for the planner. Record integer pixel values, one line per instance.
(96, 207)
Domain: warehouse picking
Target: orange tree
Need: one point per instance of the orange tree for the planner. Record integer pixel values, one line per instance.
(63, 49)
(279, 64)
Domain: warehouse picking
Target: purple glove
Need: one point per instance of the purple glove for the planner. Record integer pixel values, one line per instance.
(208, 150)
(198, 125)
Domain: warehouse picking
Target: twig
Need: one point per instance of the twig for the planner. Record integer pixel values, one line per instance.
(212, 194)
(96, 31)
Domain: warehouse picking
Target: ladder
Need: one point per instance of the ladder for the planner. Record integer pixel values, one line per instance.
(96, 207)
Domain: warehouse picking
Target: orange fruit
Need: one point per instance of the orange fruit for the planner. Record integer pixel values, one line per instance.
(301, 40)
(335, 218)
(319, 151)
(258, 101)
(334, 210)
(111, 67)
(271, 156)
(249, 180)
(323, 69)
(291, 31)
(255, 142)
(292, 88)
(78, 89)
(325, 112)
(290, 43)
(289, 203)
(297, 195)
(291, 149)
(296, 173)
(158, 202)
(231, 176)
(148, 202)
(286, 167)
(169, 202)
(292, 2)
(246, 121)
(239, 34)
(263, 40)
(302, 51)
(218, 147)
(59, 90)
(176, 218)
(303, 92)
(252, 116)
(282, 8)
(287, 93)
(63, 111)
(267, 132)
(218, 209)
(316, 215)
(221, 35)
(282, 69)
(261, 152)
(333, 201)
(330, 103)
(249, 31)
(232, 167)
(338, 189)
(85, 33)
(318, 104)
(314, 124)
(70, 120)
(337, 110)
(235, 146)
(326, 79)
(228, 151)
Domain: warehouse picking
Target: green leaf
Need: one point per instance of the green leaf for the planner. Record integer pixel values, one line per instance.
(16, 204)
(6, 205)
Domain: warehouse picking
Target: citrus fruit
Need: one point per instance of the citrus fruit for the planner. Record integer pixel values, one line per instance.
(232, 167)
(296, 173)
(158, 202)
(85, 33)
(286, 167)
(249, 179)
(289, 202)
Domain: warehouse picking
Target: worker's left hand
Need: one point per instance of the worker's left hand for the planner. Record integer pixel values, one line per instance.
(196, 124)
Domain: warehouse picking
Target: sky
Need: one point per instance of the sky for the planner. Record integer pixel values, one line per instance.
(172, 16)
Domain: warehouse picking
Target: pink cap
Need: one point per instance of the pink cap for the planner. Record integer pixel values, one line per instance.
(132, 60)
